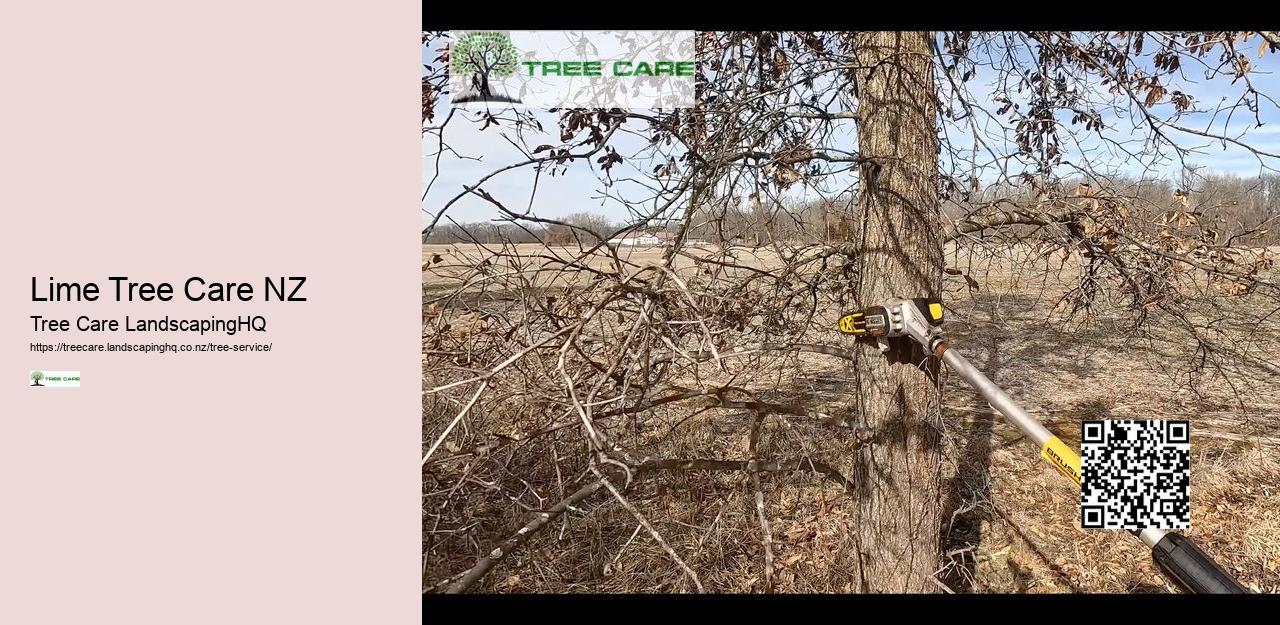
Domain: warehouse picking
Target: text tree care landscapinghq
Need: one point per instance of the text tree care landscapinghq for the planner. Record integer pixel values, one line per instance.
(195, 289)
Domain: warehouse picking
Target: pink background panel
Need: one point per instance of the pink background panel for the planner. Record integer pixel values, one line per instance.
(235, 141)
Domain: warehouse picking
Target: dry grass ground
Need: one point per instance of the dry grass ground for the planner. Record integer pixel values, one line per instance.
(1012, 522)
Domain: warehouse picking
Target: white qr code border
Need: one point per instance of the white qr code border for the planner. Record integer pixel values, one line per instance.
(1135, 474)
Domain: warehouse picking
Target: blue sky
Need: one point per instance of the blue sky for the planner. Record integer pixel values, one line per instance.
(580, 187)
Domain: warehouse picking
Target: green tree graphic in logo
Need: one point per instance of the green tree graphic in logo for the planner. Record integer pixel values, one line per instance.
(36, 376)
(480, 55)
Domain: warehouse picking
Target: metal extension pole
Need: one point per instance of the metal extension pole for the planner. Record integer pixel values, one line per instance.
(921, 319)
(998, 399)
(1176, 555)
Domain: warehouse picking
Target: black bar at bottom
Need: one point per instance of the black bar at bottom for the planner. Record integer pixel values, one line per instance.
(1196, 572)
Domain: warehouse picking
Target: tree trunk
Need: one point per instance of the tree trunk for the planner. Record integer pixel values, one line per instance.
(898, 475)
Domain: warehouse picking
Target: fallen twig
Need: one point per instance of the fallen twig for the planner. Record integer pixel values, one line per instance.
(766, 536)
(652, 532)
(521, 536)
(770, 466)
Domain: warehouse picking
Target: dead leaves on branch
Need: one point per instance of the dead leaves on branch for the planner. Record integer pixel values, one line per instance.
(1155, 91)
(435, 259)
(1097, 215)
(434, 80)
(1154, 255)
(595, 122)
(607, 161)
(1242, 67)
(1235, 265)
(780, 64)
(1182, 219)
(1203, 246)
(1180, 196)
(782, 175)
(781, 168)
(561, 155)
(1231, 286)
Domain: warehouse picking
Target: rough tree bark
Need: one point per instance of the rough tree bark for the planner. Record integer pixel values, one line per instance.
(899, 236)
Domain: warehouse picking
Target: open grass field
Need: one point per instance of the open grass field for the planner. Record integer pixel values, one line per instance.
(459, 259)
(1011, 523)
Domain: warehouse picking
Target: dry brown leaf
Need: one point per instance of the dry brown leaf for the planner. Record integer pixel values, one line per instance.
(799, 533)
(1230, 287)
(1154, 95)
(1263, 261)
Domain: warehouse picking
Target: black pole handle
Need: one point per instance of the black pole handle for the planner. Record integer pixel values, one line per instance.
(1191, 568)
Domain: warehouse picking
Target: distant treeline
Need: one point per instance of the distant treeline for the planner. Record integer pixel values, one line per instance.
(1232, 205)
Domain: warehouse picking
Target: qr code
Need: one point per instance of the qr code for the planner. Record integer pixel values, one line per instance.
(1135, 474)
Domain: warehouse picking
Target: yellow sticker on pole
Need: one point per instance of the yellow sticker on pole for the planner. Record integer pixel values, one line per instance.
(935, 311)
(1063, 457)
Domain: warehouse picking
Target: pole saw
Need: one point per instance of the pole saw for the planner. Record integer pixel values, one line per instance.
(920, 320)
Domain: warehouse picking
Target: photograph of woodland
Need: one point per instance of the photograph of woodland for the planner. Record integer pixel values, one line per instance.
(633, 374)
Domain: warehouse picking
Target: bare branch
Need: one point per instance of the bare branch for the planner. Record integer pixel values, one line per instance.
(652, 532)
(541, 520)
